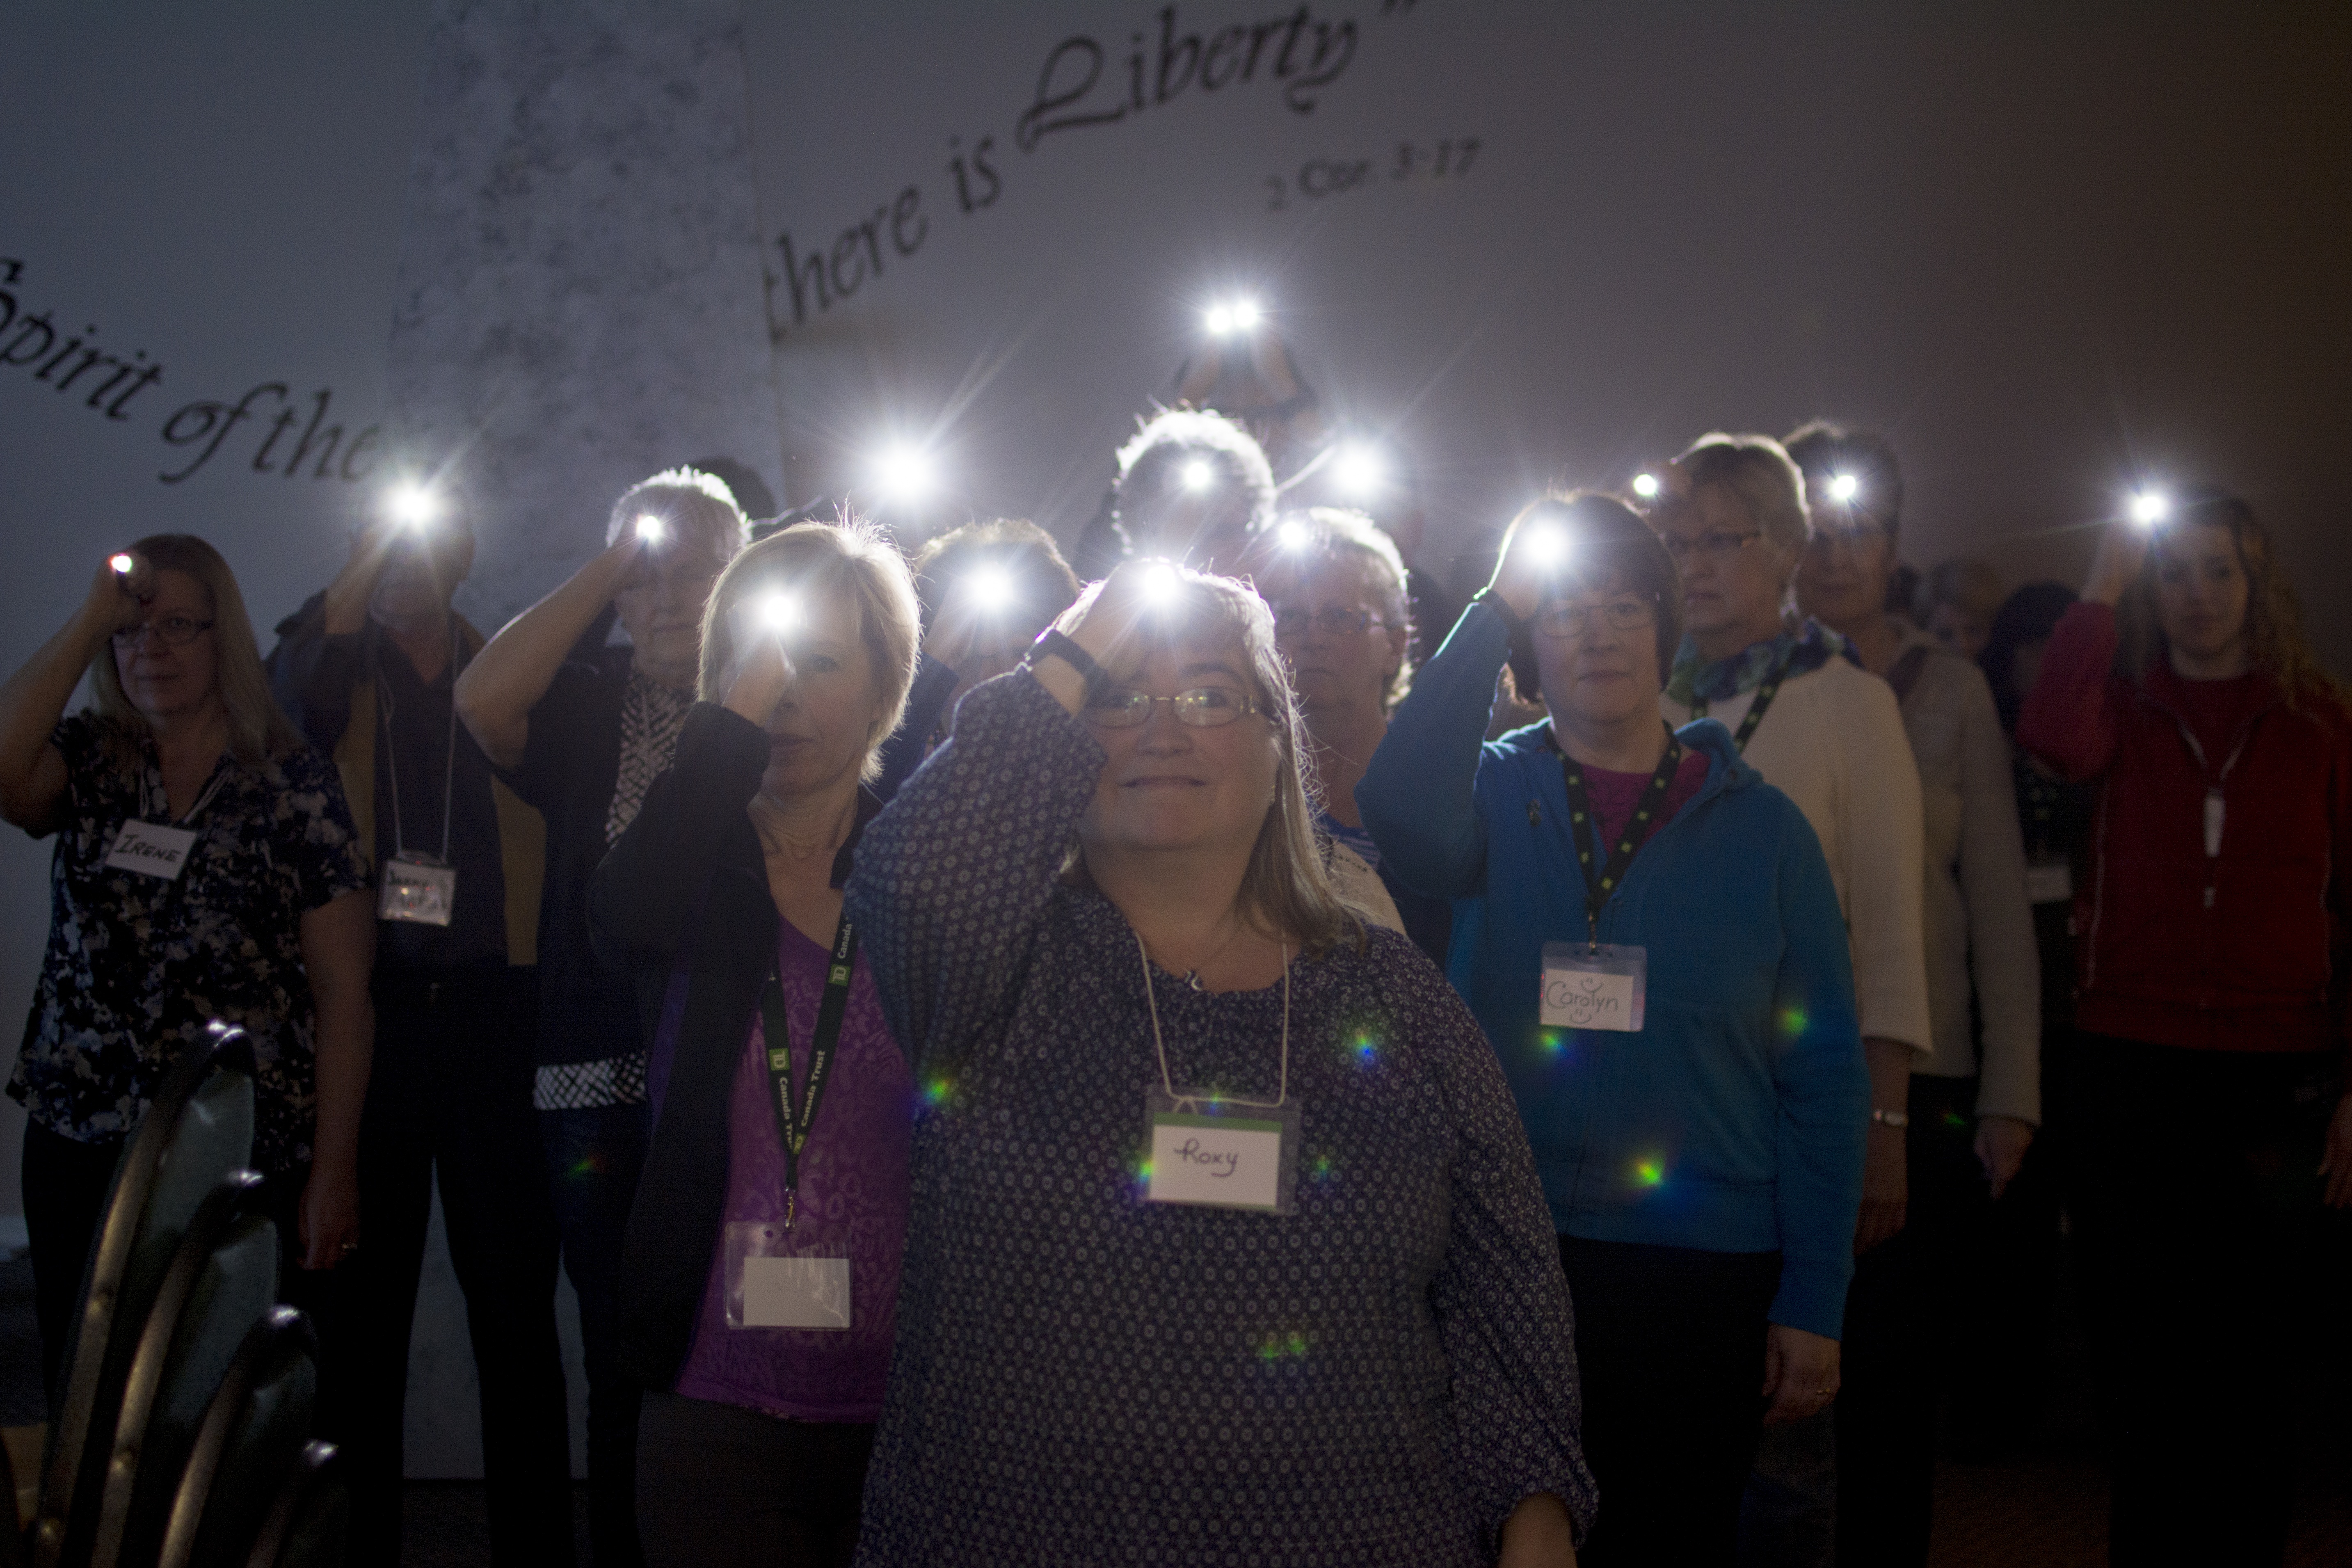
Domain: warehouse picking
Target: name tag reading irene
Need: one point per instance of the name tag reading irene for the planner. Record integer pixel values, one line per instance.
(151, 850)
(1239, 1157)
(1585, 989)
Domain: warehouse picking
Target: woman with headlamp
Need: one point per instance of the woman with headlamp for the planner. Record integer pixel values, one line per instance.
(1648, 933)
(761, 1270)
(2217, 1141)
(1225, 1239)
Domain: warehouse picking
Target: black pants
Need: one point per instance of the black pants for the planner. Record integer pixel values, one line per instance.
(450, 1092)
(718, 1483)
(1670, 1347)
(65, 1188)
(2209, 1260)
(594, 1157)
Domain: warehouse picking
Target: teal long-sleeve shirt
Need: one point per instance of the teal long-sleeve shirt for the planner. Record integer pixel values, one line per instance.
(1735, 1121)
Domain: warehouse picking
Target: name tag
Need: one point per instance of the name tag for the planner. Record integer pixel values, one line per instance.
(2052, 882)
(768, 1288)
(152, 848)
(1244, 1157)
(1584, 989)
(416, 888)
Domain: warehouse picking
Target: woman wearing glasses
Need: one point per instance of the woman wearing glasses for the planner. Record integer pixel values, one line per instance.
(1650, 938)
(205, 868)
(1225, 1242)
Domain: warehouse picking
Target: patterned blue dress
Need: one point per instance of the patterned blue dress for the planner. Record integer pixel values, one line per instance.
(1084, 1377)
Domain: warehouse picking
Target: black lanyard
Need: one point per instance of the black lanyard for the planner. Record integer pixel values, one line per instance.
(791, 1129)
(1584, 830)
(1764, 695)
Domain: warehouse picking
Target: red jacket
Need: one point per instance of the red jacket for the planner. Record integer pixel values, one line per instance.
(2216, 908)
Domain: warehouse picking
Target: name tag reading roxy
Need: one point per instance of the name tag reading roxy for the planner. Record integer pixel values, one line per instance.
(1244, 1157)
(1588, 989)
(151, 850)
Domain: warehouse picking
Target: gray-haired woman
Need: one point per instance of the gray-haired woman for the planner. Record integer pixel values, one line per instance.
(1225, 1239)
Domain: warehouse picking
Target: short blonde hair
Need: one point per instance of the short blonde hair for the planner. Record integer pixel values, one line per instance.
(1338, 536)
(683, 498)
(1760, 474)
(1286, 883)
(849, 558)
(257, 731)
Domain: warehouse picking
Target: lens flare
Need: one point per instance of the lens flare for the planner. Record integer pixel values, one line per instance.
(775, 611)
(121, 563)
(1359, 469)
(1647, 486)
(1649, 1173)
(651, 529)
(1198, 475)
(1161, 584)
(1219, 319)
(905, 473)
(989, 587)
(1294, 536)
(1547, 547)
(1843, 489)
(412, 505)
(2149, 507)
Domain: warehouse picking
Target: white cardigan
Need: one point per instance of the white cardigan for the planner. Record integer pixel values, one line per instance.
(1832, 742)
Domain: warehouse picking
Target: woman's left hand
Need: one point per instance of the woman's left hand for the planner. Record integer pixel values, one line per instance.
(1539, 1535)
(2336, 1158)
(329, 1221)
(2001, 1144)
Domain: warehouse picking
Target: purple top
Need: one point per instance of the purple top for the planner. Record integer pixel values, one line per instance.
(853, 1200)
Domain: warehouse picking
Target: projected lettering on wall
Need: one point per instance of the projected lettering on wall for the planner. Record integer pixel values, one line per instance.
(74, 364)
(1320, 178)
(1085, 83)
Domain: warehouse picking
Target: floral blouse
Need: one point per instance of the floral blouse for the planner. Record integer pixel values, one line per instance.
(136, 965)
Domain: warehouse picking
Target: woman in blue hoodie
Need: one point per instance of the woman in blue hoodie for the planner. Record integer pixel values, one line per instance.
(1649, 935)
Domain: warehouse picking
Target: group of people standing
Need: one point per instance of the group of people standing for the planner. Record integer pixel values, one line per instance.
(1024, 1071)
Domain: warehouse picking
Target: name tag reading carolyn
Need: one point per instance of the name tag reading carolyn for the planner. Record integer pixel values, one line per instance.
(769, 1287)
(1584, 988)
(1222, 1155)
(416, 888)
(151, 850)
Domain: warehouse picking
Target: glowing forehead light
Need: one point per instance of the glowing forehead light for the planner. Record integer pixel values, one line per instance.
(1359, 469)
(1294, 536)
(990, 586)
(1160, 583)
(1645, 485)
(121, 563)
(775, 611)
(1228, 316)
(1547, 547)
(1844, 488)
(2149, 507)
(412, 505)
(651, 529)
(1197, 475)
(905, 471)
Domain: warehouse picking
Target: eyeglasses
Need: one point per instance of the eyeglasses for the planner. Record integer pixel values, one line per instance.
(1294, 620)
(1559, 619)
(1715, 546)
(1203, 706)
(177, 631)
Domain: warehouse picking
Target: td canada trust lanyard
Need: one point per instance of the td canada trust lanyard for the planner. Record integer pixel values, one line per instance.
(1594, 984)
(1205, 1156)
(1764, 695)
(793, 1123)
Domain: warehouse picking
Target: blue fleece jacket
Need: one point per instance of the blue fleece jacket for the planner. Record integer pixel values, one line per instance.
(1735, 1121)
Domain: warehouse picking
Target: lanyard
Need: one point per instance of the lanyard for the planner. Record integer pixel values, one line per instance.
(156, 803)
(1584, 828)
(1764, 695)
(449, 760)
(793, 1129)
(1282, 1086)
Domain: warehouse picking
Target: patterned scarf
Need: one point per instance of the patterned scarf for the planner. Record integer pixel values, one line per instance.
(1810, 647)
(651, 716)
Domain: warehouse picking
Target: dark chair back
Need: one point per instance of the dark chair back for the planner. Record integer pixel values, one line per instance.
(198, 1129)
(251, 1435)
(308, 1523)
(220, 1284)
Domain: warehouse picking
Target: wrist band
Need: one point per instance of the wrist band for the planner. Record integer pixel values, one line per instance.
(1512, 619)
(1052, 644)
(1898, 1119)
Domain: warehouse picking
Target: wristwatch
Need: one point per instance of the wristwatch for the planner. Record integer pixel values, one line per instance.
(1052, 644)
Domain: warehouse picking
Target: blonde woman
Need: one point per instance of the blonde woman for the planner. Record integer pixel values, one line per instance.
(1225, 1237)
(205, 868)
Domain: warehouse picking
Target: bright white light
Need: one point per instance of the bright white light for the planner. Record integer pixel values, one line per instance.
(651, 529)
(1645, 485)
(1245, 314)
(412, 505)
(2150, 507)
(1294, 536)
(1546, 546)
(121, 563)
(1220, 321)
(1198, 475)
(904, 472)
(1160, 583)
(1844, 488)
(1358, 470)
(775, 611)
(1231, 316)
(990, 587)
